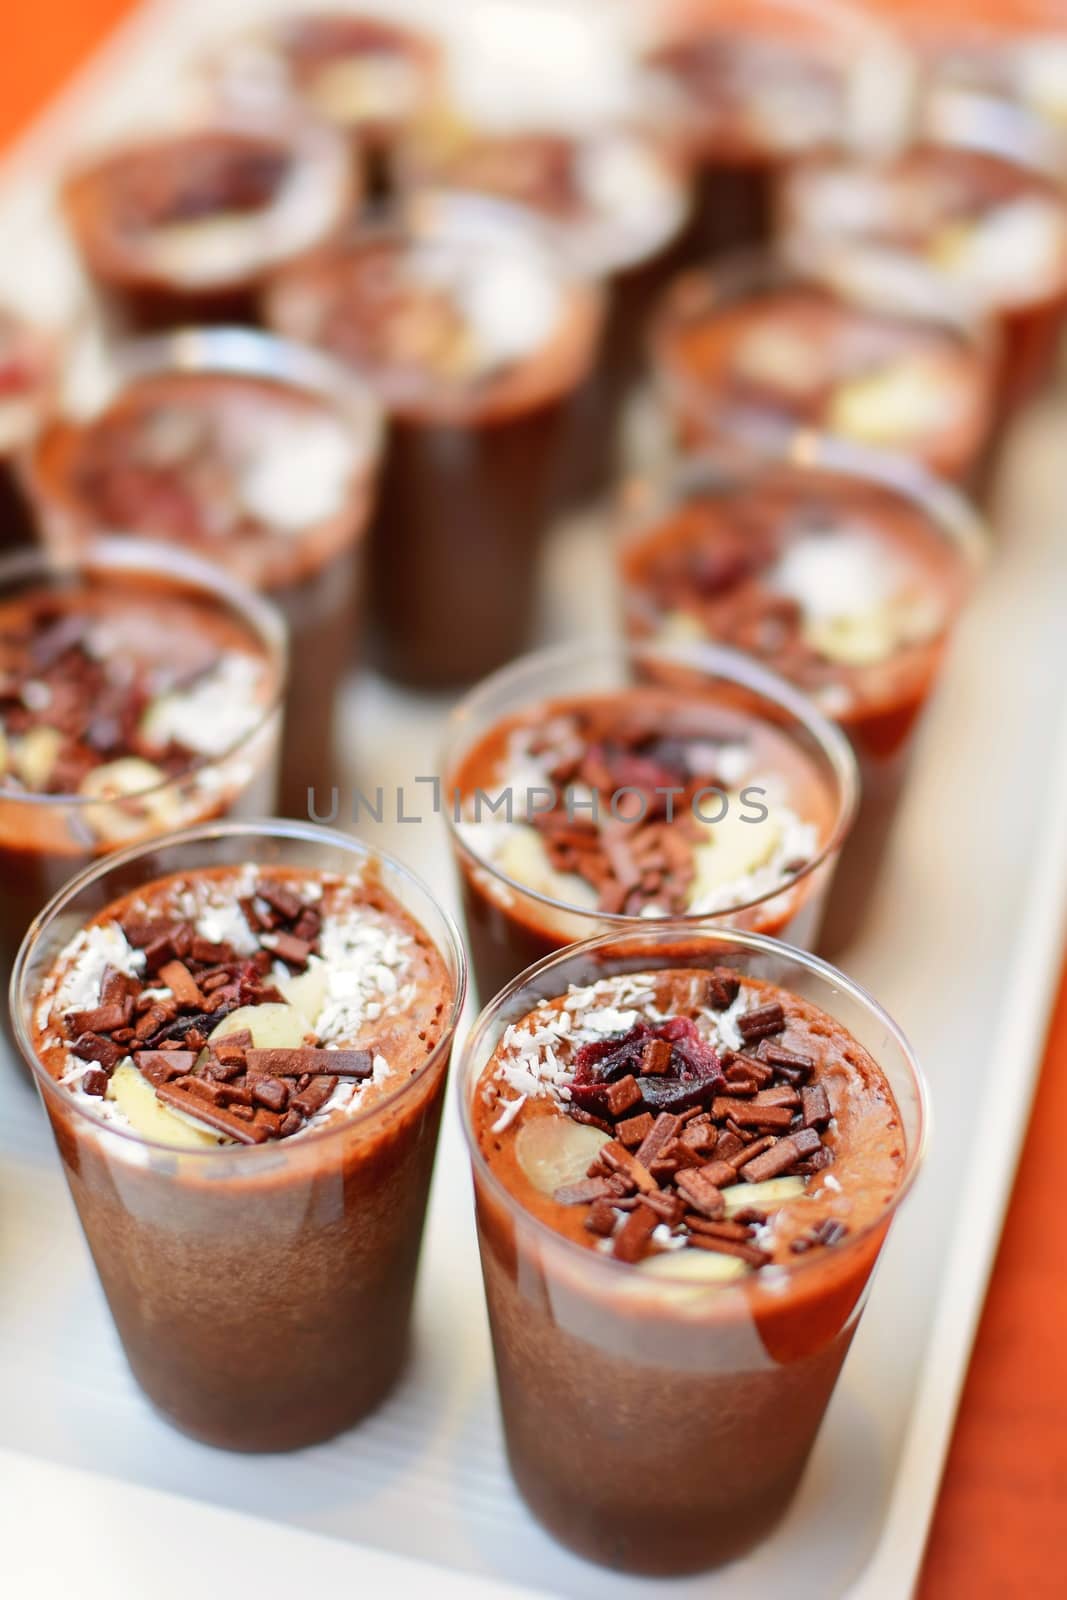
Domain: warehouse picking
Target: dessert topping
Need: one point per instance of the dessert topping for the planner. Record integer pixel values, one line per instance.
(84, 709)
(647, 816)
(192, 1038)
(699, 1140)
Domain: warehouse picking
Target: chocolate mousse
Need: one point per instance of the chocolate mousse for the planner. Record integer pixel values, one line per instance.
(700, 789)
(369, 76)
(475, 336)
(980, 57)
(845, 575)
(137, 694)
(750, 88)
(181, 226)
(255, 454)
(755, 350)
(244, 1066)
(617, 197)
(992, 222)
(27, 378)
(683, 1176)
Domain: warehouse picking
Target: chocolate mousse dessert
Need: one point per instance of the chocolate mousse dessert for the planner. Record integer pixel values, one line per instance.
(180, 227)
(748, 88)
(475, 335)
(256, 454)
(978, 57)
(757, 351)
(367, 75)
(990, 221)
(137, 694)
(27, 378)
(244, 1062)
(846, 575)
(673, 784)
(617, 197)
(683, 1174)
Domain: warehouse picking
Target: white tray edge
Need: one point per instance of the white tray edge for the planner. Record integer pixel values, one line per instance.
(1021, 1038)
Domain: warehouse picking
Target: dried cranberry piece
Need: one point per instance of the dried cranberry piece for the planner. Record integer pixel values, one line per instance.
(678, 1028)
(677, 1094)
(605, 1059)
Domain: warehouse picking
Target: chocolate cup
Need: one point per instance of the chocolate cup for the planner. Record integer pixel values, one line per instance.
(510, 926)
(46, 839)
(736, 156)
(262, 1294)
(700, 410)
(632, 254)
(137, 295)
(320, 593)
(1028, 333)
(656, 1428)
(468, 475)
(882, 739)
(375, 137)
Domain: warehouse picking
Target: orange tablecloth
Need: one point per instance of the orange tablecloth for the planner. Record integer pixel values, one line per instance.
(1000, 1528)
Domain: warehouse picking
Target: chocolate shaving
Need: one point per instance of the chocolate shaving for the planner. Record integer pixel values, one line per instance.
(632, 1240)
(663, 1132)
(620, 1160)
(584, 1192)
(321, 1063)
(216, 1118)
(761, 1022)
(751, 1114)
(816, 1106)
(182, 985)
(280, 899)
(163, 1066)
(102, 1019)
(288, 948)
(700, 1193)
(95, 1047)
(632, 1131)
(720, 991)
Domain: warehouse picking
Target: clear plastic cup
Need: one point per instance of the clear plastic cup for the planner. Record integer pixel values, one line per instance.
(470, 467)
(749, 88)
(658, 1426)
(510, 925)
(313, 573)
(262, 1293)
(46, 838)
(878, 704)
(914, 209)
(204, 256)
(707, 320)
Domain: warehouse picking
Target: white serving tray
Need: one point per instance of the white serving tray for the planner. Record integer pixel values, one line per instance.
(964, 947)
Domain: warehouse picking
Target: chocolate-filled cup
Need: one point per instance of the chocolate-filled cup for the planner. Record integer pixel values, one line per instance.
(182, 225)
(366, 75)
(657, 1413)
(747, 89)
(261, 1281)
(981, 204)
(474, 330)
(757, 348)
(843, 569)
(262, 456)
(618, 195)
(195, 740)
(683, 780)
